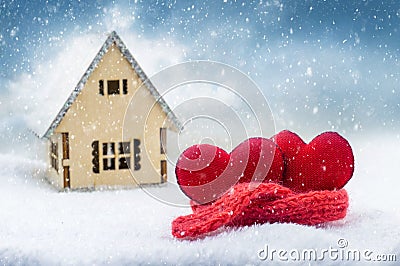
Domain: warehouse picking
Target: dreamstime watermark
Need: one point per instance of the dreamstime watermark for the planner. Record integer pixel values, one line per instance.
(340, 252)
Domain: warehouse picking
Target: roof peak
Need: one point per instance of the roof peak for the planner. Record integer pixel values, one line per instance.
(113, 37)
(114, 34)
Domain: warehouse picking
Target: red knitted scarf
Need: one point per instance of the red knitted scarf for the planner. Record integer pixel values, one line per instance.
(246, 204)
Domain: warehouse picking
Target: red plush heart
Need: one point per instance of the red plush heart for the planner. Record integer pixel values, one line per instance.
(263, 159)
(326, 163)
(205, 172)
(198, 172)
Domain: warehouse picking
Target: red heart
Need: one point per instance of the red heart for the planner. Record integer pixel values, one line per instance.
(205, 172)
(198, 170)
(263, 159)
(326, 163)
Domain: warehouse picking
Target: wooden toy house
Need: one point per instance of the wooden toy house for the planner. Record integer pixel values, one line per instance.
(98, 139)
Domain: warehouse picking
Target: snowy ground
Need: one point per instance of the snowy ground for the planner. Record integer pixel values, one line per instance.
(39, 225)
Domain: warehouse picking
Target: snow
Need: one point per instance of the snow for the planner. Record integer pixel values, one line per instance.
(39, 225)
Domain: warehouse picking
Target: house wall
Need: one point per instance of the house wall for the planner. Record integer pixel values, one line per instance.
(55, 177)
(96, 117)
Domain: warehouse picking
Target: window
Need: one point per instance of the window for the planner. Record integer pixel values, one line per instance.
(115, 155)
(124, 155)
(54, 155)
(163, 140)
(113, 87)
(109, 156)
(65, 141)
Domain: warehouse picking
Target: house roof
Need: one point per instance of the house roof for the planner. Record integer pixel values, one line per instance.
(112, 38)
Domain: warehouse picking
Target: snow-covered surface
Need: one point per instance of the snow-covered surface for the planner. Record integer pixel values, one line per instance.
(39, 225)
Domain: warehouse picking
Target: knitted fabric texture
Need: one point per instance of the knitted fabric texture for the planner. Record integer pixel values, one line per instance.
(246, 204)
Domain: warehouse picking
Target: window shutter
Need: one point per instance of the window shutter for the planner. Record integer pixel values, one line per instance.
(136, 150)
(125, 86)
(95, 160)
(101, 87)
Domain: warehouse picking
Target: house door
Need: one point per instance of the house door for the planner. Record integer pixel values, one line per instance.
(65, 141)
(163, 171)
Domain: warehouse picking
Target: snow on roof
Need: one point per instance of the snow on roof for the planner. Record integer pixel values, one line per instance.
(113, 38)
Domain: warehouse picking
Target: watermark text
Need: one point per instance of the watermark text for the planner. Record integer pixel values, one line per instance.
(340, 252)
